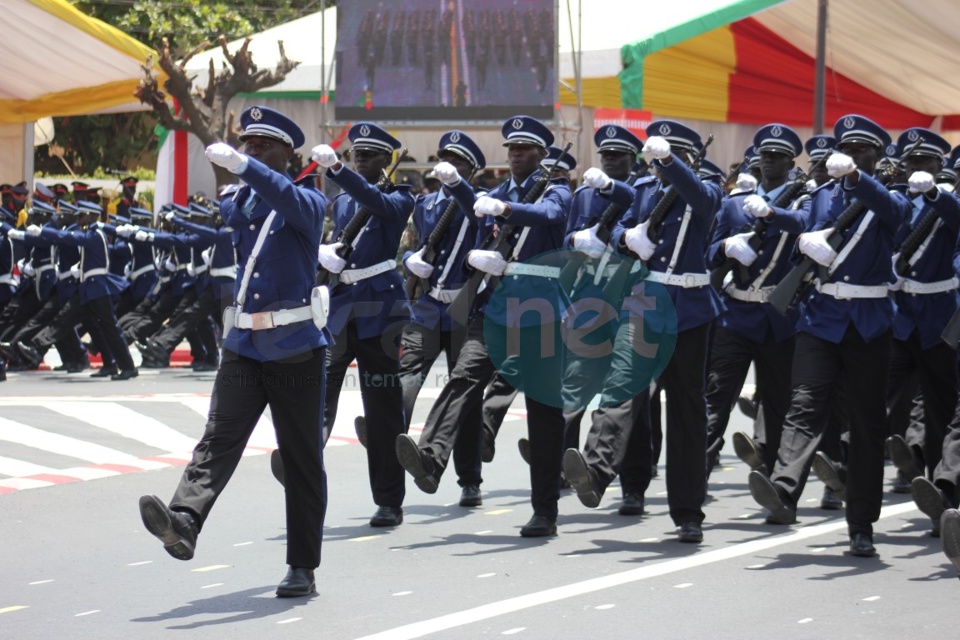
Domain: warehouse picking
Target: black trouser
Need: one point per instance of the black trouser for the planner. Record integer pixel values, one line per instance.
(38, 321)
(730, 358)
(28, 307)
(100, 321)
(146, 319)
(936, 370)
(62, 329)
(817, 367)
(193, 310)
(294, 390)
(497, 398)
(380, 389)
(462, 397)
(421, 348)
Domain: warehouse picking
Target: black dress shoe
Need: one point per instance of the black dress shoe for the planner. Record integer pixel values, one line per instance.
(77, 367)
(749, 451)
(690, 532)
(126, 374)
(828, 473)
(931, 500)
(489, 448)
(416, 463)
(105, 372)
(747, 406)
(360, 426)
(861, 545)
(387, 517)
(539, 527)
(523, 445)
(581, 478)
(202, 366)
(768, 495)
(297, 583)
(901, 483)
(950, 535)
(29, 353)
(470, 496)
(177, 530)
(830, 500)
(903, 456)
(276, 466)
(7, 351)
(632, 505)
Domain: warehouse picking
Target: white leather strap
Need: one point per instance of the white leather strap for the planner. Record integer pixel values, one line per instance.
(748, 295)
(685, 280)
(445, 296)
(224, 272)
(351, 276)
(914, 287)
(844, 291)
(271, 319)
(852, 243)
(139, 272)
(521, 269)
(252, 260)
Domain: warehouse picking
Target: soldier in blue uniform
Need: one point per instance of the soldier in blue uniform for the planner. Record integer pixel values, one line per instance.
(844, 332)
(8, 283)
(431, 330)
(677, 261)
(142, 274)
(368, 307)
(533, 228)
(274, 351)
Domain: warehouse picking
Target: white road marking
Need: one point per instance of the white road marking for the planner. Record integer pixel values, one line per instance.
(603, 607)
(510, 632)
(805, 621)
(13, 608)
(683, 585)
(86, 613)
(649, 540)
(756, 566)
(126, 422)
(289, 620)
(402, 593)
(212, 567)
(210, 586)
(486, 575)
(484, 532)
(39, 582)
(242, 544)
(871, 599)
(527, 601)
(137, 564)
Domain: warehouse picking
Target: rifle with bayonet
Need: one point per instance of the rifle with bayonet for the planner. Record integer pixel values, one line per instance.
(355, 226)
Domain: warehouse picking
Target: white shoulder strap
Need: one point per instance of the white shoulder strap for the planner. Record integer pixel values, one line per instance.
(252, 260)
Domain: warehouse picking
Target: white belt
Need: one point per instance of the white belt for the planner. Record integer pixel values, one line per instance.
(914, 287)
(521, 269)
(183, 267)
(351, 276)
(201, 269)
(844, 291)
(8, 278)
(685, 280)
(748, 295)
(224, 272)
(445, 296)
(100, 271)
(271, 319)
(63, 275)
(139, 272)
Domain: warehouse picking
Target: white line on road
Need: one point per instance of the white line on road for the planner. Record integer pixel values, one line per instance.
(519, 603)
(86, 613)
(126, 422)
(137, 564)
(39, 582)
(288, 620)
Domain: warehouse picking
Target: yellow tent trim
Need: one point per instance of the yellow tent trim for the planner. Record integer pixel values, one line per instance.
(69, 103)
(100, 30)
(597, 92)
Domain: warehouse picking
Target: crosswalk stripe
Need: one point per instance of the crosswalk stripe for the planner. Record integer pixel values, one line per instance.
(12, 467)
(126, 422)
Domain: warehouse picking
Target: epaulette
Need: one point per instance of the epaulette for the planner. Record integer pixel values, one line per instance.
(642, 180)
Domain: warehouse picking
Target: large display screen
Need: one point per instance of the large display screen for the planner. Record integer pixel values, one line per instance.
(445, 60)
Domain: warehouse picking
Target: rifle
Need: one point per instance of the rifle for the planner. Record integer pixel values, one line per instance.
(783, 296)
(415, 285)
(355, 226)
(760, 226)
(462, 305)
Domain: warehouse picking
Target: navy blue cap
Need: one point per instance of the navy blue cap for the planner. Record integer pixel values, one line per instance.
(85, 206)
(526, 130)
(819, 145)
(463, 145)
(199, 210)
(616, 138)
(555, 155)
(933, 143)
(180, 209)
(854, 128)
(269, 123)
(137, 212)
(954, 158)
(678, 135)
(42, 208)
(367, 135)
(122, 219)
(750, 157)
(778, 138)
(892, 151)
(711, 170)
(67, 208)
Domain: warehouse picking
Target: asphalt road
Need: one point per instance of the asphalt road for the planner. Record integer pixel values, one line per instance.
(77, 563)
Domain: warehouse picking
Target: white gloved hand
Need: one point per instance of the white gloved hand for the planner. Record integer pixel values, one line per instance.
(656, 148)
(191, 270)
(447, 173)
(486, 206)
(141, 236)
(98, 225)
(815, 245)
(746, 182)
(170, 265)
(637, 241)
(125, 230)
(33, 230)
(127, 270)
(222, 154)
(329, 260)
(756, 206)
(205, 254)
(921, 182)
(169, 216)
(810, 185)
(417, 266)
(28, 270)
(487, 261)
(839, 165)
(75, 270)
(587, 242)
(325, 156)
(738, 248)
(16, 234)
(596, 179)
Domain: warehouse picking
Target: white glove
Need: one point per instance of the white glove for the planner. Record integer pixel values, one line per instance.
(170, 265)
(738, 248)
(756, 206)
(327, 255)
(126, 230)
(325, 156)
(222, 154)
(418, 266)
(596, 179)
(815, 245)
(33, 230)
(447, 173)
(169, 216)
(811, 185)
(141, 236)
(746, 182)
(205, 254)
(98, 225)
(921, 182)
(486, 206)
(127, 270)
(487, 261)
(16, 234)
(75, 270)
(587, 242)
(191, 270)
(656, 148)
(839, 165)
(637, 241)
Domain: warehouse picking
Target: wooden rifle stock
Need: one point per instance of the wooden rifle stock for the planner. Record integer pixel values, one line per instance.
(354, 227)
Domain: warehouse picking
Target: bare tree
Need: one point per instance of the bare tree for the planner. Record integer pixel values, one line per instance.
(204, 111)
